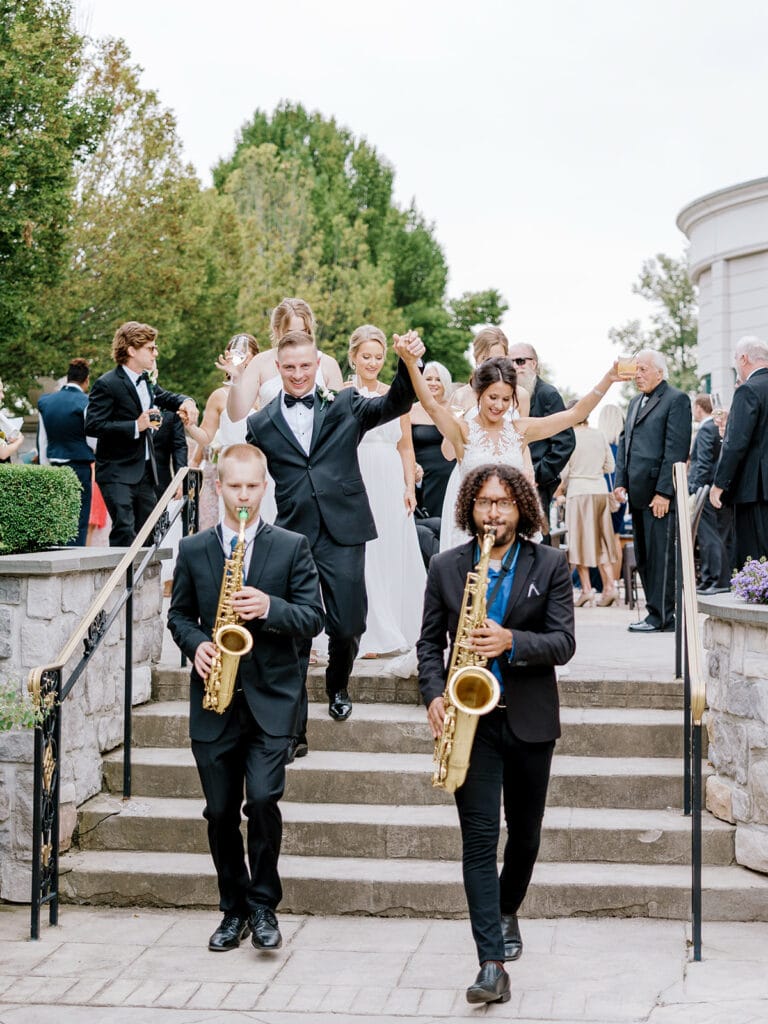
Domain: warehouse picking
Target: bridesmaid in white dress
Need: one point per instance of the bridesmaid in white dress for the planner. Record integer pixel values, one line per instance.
(394, 570)
(214, 427)
(491, 437)
(260, 381)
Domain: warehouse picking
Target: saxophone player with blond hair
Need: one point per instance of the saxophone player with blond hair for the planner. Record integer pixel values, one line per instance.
(244, 580)
(527, 630)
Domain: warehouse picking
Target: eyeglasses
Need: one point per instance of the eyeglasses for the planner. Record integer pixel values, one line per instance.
(521, 360)
(151, 348)
(502, 504)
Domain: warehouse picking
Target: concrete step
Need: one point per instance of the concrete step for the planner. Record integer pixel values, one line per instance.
(385, 778)
(606, 732)
(371, 685)
(416, 888)
(425, 833)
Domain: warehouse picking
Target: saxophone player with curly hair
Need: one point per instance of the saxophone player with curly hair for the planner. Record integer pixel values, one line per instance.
(529, 628)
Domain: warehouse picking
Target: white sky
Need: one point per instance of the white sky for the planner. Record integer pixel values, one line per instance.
(552, 142)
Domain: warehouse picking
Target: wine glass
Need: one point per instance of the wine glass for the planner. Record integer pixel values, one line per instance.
(239, 349)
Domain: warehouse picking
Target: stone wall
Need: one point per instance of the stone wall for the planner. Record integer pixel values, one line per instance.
(42, 600)
(736, 667)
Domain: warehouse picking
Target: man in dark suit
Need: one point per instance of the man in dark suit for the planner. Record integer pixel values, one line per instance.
(657, 434)
(529, 628)
(61, 439)
(171, 452)
(741, 476)
(122, 413)
(714, 525)
(248, 744)
(310, 438)
(548, 456)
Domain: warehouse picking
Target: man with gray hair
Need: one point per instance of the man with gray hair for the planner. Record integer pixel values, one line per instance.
(742, 472)
(657, 434)
(549, 456)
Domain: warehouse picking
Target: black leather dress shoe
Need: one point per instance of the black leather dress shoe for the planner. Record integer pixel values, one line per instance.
(491, 984)
(232, 930)
(340, 706)
(648, 627)
(264, 931)
(711, 591)
(513, 943)
(302, 747)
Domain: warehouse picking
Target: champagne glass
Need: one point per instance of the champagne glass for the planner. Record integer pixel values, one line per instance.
(239, 349)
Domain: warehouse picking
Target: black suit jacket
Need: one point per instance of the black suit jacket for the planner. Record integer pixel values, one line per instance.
(551, 454)
(113, 408)
(540, 615)
(281, 566)
(653, 439)
(704, 456)
(326, 486)
(171, 452)
(743, 468)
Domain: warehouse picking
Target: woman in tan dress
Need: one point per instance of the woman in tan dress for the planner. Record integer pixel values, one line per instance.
(591, 540)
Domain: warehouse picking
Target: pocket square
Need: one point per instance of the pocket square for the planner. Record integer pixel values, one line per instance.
(532, 590)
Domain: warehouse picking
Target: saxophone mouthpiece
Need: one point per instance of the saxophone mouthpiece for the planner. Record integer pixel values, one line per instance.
(243, 513)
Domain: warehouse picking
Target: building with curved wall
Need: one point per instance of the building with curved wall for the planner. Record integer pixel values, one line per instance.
(728, 259)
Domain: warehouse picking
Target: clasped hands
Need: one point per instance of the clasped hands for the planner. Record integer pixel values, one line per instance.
(659, 505)
(409, 347)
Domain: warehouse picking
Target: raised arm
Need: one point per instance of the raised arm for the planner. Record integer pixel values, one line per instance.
(246, 382)
(451, 429)
(537, 428)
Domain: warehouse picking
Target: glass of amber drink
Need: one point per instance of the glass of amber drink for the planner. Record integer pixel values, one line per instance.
(626, 367)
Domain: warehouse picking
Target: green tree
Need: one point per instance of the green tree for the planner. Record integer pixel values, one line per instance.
(144, 243)
(665, 283)
(45, 126)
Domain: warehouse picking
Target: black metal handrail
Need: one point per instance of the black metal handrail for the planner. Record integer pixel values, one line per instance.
(694, 689)
(49, 690)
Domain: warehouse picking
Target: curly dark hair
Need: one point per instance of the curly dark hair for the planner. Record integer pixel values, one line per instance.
(498, 370)
(518, 487)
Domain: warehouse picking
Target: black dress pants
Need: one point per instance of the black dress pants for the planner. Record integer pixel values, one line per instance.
(341, 568)
(713, 552)
(750, 522)
(244, 756)
(501, 765)
(129, 506)
(655, 553)
(82, 471)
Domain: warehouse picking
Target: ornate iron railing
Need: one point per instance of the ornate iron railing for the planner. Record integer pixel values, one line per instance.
(694, 689)
(49, 689)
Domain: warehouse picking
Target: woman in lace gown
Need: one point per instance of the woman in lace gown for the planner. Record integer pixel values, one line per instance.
(394, 571)
(492, 437)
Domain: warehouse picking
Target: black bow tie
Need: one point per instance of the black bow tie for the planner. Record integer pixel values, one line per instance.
(307, 400)
(144, 377)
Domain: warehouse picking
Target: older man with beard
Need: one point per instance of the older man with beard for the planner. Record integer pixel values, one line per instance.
(549, 456)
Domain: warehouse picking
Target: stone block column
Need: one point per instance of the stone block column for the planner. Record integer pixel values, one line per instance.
(43, 598)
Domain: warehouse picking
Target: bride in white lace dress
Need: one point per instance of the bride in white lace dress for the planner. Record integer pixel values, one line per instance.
(498, 434)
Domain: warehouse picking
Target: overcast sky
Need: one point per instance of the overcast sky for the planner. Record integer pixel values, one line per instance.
(552, 143)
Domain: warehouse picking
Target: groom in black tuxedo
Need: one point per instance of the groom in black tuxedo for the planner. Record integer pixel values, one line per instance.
(529, 628)
(122, 414)
(310, 438)
(248, 745)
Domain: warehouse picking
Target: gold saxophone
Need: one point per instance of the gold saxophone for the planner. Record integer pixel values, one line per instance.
(472, 689)
(231, 639)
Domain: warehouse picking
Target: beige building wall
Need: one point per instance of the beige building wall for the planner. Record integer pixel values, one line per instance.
(728, 260)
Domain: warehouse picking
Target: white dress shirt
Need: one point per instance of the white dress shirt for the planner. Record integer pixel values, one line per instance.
(300, 419)
(142, 390)
(228, 535)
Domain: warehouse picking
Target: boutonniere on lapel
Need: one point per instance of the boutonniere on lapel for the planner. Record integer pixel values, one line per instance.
(325, 395)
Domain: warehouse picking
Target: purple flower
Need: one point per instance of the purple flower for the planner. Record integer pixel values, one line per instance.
(751, 582)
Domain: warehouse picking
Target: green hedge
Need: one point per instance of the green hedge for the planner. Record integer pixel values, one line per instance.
(39, 507)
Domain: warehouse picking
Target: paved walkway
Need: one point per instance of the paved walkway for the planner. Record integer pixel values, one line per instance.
(102, 966)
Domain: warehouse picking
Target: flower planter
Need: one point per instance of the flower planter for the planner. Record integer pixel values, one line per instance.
(736, 668)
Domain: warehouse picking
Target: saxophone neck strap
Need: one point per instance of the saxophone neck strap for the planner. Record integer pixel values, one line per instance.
(508, 565)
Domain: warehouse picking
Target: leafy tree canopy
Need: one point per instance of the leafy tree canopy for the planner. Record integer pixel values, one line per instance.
(665, 283)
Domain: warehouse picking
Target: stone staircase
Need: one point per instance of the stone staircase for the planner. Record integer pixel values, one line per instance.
(614, 840)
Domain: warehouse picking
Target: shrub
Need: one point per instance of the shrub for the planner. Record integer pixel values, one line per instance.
(751, 582)
(16, 709)
(39, 507)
